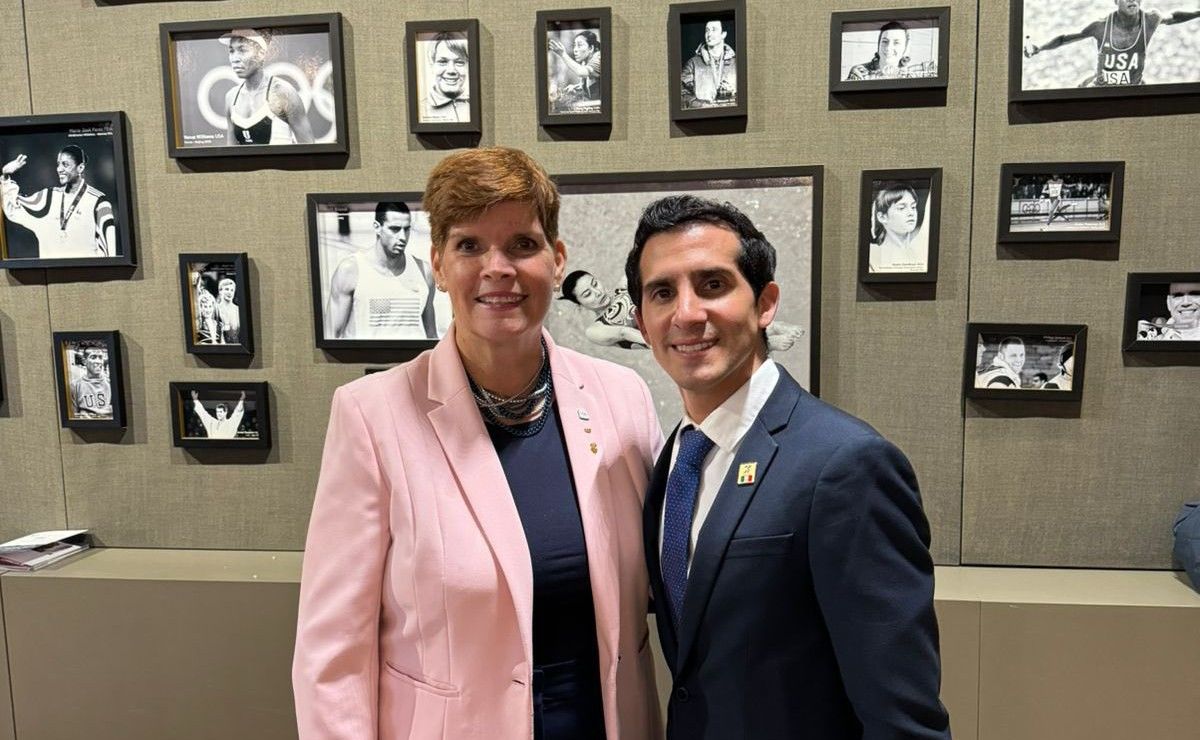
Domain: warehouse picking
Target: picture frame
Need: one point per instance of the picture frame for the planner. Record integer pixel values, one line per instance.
(89, 379)
(599, 214)
(563, 39)
(688, 43)
(857, 38)
(216, 304)
(42, 225)
(1084, 71)
(438, 76)
(906, 252)
(343, 226)
(1007, 362)
(1087, 209)
(208, 68)
(1162, 312)
(206, 415)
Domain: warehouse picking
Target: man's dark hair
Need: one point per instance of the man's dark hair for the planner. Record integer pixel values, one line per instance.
(590, 38)
(755, 259)
(1068, 351)
(568, 286)
(221, 406)
(75, 153)
(382, 209)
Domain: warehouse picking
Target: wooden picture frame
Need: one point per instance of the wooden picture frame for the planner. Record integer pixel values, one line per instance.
(989, 374)
(1159, 319)
(430, 111)
(89, 379)
(1097, 217)
(883, 259)
(591, 103)
(244, 423)
(931, 25)
(709, 98)
(226, 330)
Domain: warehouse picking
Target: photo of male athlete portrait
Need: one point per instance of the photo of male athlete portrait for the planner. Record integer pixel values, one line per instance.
(1061, 202)
(890, 50)
(574, 68)
(89, 390)
(1181, 322)
(70, 219)
(375, 278)
(220, 423)
(1119, 37)
(1008, 362)
(708, 78)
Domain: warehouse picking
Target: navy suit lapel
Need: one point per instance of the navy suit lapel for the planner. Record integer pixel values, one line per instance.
(651, 523)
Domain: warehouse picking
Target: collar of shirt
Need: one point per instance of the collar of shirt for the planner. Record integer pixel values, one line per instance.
(439, 100)
(730, 421)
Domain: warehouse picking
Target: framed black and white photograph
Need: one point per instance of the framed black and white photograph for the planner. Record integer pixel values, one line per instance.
(87, 373)
(890, 49)
(372, 278)
(215, 296)
(1081, 49)
(1042, 362)
(899, 218)
(65, 192)
(255, 86)
(571, 51)
(597, 220)
(707, 55)
(443, 76)
(1061, 202)
(1162, 312)
(228, 415)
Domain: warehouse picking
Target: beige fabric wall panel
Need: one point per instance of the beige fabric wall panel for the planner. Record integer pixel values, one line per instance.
(31, 486)
(1099, 489)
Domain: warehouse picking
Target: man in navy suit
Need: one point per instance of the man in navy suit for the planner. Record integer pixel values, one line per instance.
(788, 552)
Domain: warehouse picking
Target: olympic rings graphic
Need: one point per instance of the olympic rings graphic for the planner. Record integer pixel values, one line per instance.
(315, 95)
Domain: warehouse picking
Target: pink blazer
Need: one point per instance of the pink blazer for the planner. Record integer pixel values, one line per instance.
(416, 602)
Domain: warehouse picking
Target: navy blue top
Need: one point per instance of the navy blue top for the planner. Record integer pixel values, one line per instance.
(567, 701)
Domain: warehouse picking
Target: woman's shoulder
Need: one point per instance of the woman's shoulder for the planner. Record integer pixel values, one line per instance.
(392, 385)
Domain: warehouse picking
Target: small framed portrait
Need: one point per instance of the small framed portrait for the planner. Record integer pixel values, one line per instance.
(221, 415)
(214, 289)
(571, 49)
(255, 86)
(1088, 49)
(1162, 312)
(1042, 362)
(87, 371)
(443, 76)
(898, 226)
(892, 49)
(706, 47)
(1061, 202)
(64, 188)
(372, 274)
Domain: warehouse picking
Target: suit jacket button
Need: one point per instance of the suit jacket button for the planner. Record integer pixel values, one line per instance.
(681, 694)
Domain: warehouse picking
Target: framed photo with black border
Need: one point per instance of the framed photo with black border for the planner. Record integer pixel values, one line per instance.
(88, 377)
(371, 270)
(223, 415)
(899, 218)
(1025, 362)
(1162, 312)
(65, 191)
(1095, 49)
(1059, 202)
(215, 298)
(444, 91)
(241, 87)
(889, 49)
(573, 57)
(707, 59)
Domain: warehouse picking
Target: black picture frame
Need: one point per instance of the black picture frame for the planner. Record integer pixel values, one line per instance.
(219, 336)
(1148, 330)
(931, 224)
(1018, 93)
(1050, 334)
(171, 34)
(182, 419)
(19, 136)
(71, 414)
(601, 20)
(1005, 233)
(940, 15)
(681, 13)
(321, 271)
(413, 31)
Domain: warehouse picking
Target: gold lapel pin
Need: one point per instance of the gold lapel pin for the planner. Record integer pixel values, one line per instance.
(595, 448)
(746, 473)
(587, 430)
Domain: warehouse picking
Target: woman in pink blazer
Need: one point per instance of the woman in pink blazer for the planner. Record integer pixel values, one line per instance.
(474, 564)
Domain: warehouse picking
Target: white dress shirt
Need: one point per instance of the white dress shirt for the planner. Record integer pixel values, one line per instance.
(726, 426)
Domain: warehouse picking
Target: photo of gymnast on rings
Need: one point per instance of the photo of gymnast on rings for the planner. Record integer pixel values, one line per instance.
(1061, 202)
(227, 415)
(246, 86)
(64, 191)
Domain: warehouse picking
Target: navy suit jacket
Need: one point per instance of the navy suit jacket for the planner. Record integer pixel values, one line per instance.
(809, 606)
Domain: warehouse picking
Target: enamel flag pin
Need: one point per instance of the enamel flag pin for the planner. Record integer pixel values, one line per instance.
(746, 473)
(583, 415)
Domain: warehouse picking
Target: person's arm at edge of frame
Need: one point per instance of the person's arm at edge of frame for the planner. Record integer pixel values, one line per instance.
(428, 319)
(873, 575)
(335, 670)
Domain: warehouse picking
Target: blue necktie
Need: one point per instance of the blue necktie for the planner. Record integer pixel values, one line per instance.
(682, 485)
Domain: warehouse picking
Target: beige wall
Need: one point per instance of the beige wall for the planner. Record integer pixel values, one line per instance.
(1094, 490)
